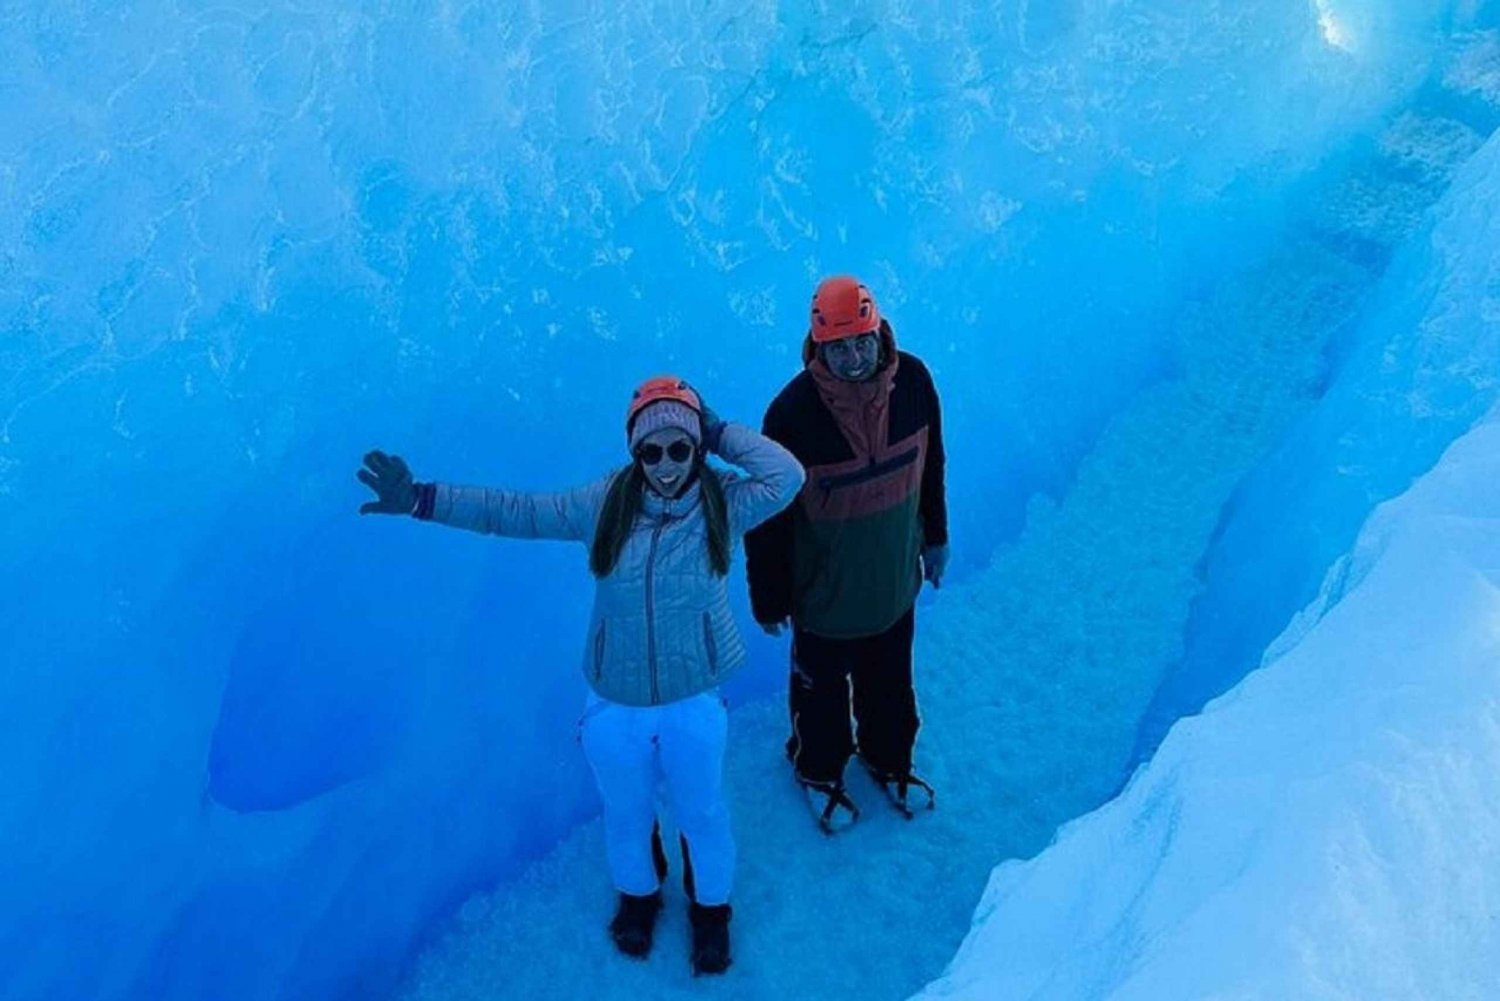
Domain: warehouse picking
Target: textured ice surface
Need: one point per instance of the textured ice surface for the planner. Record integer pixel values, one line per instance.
(1325, 829)
(1415, 368)
(255, 745)
(1034, 672)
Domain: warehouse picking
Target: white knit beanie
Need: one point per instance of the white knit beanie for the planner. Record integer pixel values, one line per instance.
(666, 414)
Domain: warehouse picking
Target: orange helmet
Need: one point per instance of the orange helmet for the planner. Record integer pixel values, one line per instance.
(662, 387)
(843, 307)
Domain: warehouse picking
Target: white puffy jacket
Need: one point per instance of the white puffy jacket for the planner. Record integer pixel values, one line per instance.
(661, 629)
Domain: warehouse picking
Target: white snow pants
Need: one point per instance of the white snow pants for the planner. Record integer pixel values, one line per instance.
(683, 742)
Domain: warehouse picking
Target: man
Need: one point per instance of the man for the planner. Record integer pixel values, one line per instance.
(844, 563)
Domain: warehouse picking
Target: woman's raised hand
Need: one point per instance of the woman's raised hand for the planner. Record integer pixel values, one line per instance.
(712, 423)
(391, 480)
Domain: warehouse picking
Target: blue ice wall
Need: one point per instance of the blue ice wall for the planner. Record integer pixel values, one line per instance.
(255, 745)
(1411, 374)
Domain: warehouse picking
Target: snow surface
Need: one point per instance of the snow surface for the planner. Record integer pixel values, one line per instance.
(258, 748)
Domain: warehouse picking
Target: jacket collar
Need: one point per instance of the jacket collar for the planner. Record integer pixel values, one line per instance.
(838, 393)
(660, 508)
(861, 409)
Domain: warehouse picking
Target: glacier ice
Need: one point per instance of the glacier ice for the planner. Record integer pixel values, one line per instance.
(257, 747)
(1409, 372)
(1323, 829)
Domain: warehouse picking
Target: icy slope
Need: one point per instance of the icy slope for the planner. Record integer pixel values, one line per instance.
(1411, 368)
(1328, 829)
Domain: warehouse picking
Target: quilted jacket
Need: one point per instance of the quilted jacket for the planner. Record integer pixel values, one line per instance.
(661, 629)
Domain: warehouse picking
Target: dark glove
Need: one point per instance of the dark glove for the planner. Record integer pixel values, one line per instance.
(934, 564)
(713, 424)
(713, 430)
(391, 480)
(773, 628)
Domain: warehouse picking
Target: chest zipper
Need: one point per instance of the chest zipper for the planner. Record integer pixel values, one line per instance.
(651, 611)
(872, 470)
(599, 652)
(709, 645)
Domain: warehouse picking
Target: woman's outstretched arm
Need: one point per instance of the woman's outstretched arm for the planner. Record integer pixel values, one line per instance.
(570, 514)
(517, 514)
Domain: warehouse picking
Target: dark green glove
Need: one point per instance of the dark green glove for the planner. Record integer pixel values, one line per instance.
(391, 480)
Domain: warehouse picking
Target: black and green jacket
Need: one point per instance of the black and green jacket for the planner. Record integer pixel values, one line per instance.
(842, 561)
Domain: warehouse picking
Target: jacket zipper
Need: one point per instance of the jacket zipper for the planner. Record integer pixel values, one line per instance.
(651, 611)
(599, 652)
(708, 642)
(828, 484)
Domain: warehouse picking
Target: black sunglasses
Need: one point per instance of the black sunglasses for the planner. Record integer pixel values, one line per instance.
(650, 454)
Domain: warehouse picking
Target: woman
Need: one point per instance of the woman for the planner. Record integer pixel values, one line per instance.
(661, 637)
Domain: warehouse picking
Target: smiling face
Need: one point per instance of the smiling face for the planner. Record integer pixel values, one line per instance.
(666, 456)
(853, 359)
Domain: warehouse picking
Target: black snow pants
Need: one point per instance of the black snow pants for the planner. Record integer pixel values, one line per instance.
(878, 671)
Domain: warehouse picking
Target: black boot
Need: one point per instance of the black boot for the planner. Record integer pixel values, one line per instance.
(710, 938)
(634, 923)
